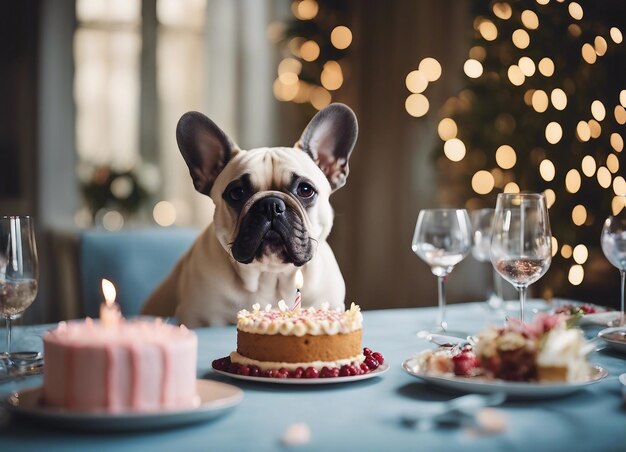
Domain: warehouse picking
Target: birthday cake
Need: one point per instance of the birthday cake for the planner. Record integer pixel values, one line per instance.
(299, 343)
(546, 350)
(131, 366)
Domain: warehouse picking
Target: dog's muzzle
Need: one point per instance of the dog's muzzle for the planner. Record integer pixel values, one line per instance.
(271, 226)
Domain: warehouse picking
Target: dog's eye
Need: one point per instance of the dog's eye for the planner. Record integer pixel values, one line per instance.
(236, 193)
(305, 190)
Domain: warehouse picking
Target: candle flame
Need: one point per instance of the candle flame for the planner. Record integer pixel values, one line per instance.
(109, 292)
(299, 279)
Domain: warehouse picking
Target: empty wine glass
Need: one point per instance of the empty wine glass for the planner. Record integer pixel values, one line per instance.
(442, 239)
(521, 242)
(482, 221)
(19, 271)
(614, 243)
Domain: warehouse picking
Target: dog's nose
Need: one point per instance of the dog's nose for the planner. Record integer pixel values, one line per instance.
(271, 206)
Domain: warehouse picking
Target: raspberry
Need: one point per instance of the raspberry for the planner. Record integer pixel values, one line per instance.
(282, 373)
(244, 370)
(269, 373)
(344, 371)
(311, 373)
(364, 368)
(378, 357)
(352, 370)
(334, 372)
(367, 351)
(325, 372)
(219, 364)
(298, 373)
(233, 368)
(254, 371)
(371, 363)
(464, 363)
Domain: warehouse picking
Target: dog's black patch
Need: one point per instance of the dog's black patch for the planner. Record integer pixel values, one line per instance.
(238, 192)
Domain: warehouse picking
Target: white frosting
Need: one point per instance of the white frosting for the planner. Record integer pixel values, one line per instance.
(264, 365)
(298, 322)
(565, 348)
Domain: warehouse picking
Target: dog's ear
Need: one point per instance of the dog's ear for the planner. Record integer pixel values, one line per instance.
(205, 148)
(329, 139)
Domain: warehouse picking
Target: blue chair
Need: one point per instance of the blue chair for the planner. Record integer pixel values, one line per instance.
(135, 261)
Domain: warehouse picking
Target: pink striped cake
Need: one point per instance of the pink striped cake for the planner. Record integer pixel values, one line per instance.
(133, 366)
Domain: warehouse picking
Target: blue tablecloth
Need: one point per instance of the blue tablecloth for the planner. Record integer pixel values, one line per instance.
(359, 416)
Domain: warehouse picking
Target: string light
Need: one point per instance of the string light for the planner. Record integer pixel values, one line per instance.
(482, 182)
(579, 215)
(597, 110)
(502, 10)
(416, 105)
(566, 251)
(620, 115)
(431, 69)
(546, 67)
(305, 9)
(617, 142)
(574, 30)
(547, 170)
(473, 68)
(600, 45)
(488, 30)
(575, 10)
(572, 181)
(622, 98)
(530, 19)
(516, 76)
(588, 166)
(612, 163)
(583, 132)
(554, 132)
(164, 213)
(454, 149)
(505, 157)
(447, 129)
(589, 53)
(540, 101)
(576, 275)
(521, 38)
(331, 76)
(341, 37)
(309, 51)
(416, 82)
(320, 98)
(595, 128)
(616, 35)
(604, 177)
(550, 197)
(511, 187)
(555, 245)
(478, 53)
(580, 254)
(619, 186)
(558, 98)
(527, 66)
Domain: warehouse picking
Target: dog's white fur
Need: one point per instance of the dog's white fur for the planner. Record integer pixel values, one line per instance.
(208, 286)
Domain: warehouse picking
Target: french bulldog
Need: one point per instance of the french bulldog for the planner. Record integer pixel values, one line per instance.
(272, 216)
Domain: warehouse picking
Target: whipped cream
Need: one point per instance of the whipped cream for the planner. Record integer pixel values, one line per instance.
(298, 322)
(264, 365)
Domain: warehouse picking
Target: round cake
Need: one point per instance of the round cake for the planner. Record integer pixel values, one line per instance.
(301, 338)
(131, 366)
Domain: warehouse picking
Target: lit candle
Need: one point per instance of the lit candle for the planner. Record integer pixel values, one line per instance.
(110, 313)
(299, 283)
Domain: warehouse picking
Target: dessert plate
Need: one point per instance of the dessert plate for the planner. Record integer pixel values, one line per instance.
(308, 381)
(216, 399)
(615, 338)
(510, 388)
(603, 316)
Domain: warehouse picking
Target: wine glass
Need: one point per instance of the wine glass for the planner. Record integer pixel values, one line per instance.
(482, 220)
(521, 242)
(442, 239)
(19, 271)
(613, 241)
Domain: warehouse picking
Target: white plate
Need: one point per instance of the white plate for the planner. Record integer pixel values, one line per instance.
(514, 389)
(309, 381)
(619, 346)
(603, 316)
(216, 399)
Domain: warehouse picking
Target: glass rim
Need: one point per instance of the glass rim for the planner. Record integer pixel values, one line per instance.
(529, 194)
(443, 209)
(13, 217)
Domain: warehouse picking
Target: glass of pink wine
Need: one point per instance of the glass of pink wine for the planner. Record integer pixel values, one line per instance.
(19, 271)
(521, 241)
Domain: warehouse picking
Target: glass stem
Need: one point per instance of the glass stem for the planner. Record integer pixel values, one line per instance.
(623, 275)
(442, 303)
(522, 301)
(8, 325)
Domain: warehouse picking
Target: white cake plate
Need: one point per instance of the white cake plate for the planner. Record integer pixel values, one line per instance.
(216, 399)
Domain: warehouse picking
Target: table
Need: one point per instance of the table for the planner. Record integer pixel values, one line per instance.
(359, 416)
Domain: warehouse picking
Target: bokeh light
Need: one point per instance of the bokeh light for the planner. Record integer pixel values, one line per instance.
(583, 132)
(547, 170)
(573, 181)
(454, 149)
(575, 10)
(511, 187)
(341, 37)
(164, 213)
(527, 66)
(576, 275)
(616, 35)
(530, 19)
(516, 76)
(416, 82)
(579, 215)
(309, 51)
(617, 142)
(430, 68)
(521, 39)
(588, 166)
(473, 68)
(558, 98)
(540, 101)
(506, 157)
(482, 182)
(416, 105)
(580, 254)
(604, 177)
(554, 132)
(597, 110)
(546, 67)
(447, 129)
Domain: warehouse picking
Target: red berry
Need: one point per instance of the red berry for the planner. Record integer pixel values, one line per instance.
(244, 370)
(367, 351)
(352, 370)
(298, 373)
(344, 371)
(465, 363)
(371, 363)
(218, 364)
(282, 373)
(254, 371)
(269, 373)
(364, 368)
(311, 372)
(334, 372)
(325, 372)
(378, 357)
(233, 368)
